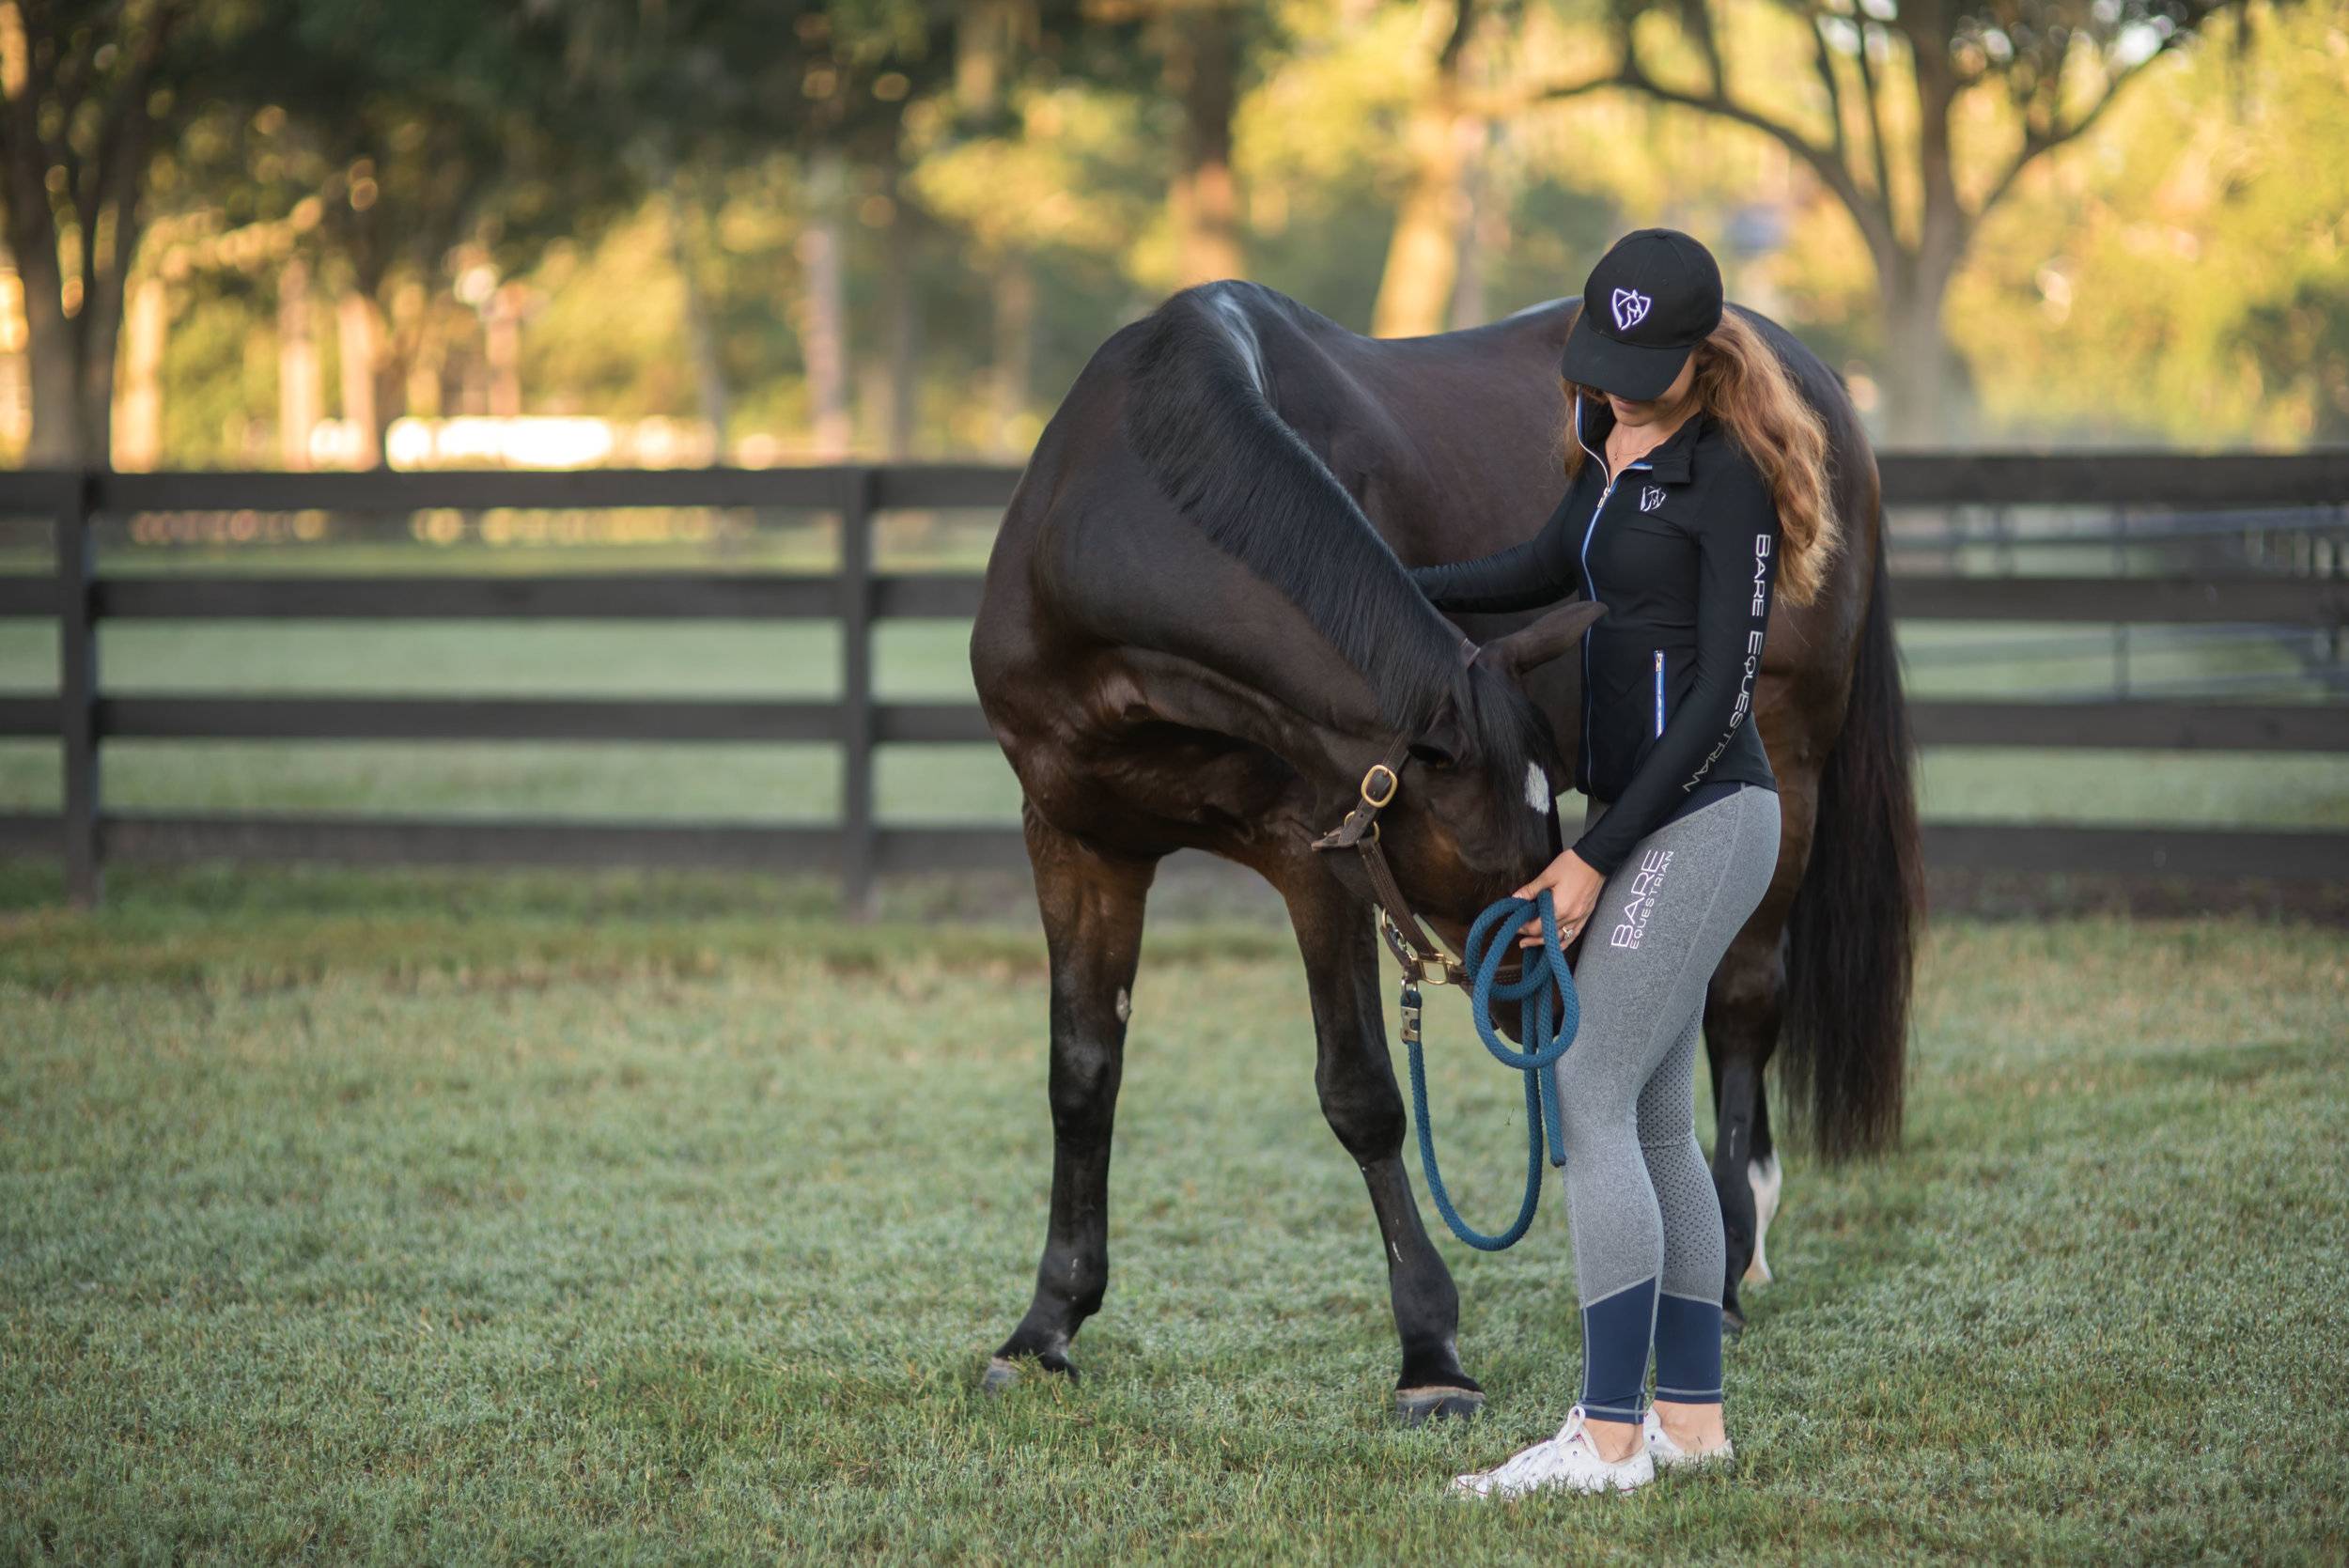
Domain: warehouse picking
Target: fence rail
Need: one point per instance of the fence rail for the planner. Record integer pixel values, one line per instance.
(763, 596)
(859, 848)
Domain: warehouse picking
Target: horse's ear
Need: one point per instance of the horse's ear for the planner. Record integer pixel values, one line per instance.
(1530, 647)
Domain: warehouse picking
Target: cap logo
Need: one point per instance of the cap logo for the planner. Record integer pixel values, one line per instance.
(1631, 308)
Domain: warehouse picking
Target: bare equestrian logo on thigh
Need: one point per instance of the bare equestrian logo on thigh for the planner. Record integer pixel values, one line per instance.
(1644, 887)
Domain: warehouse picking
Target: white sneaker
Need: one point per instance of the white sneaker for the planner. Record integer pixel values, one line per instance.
(1568, 1461)
(1670, 1455)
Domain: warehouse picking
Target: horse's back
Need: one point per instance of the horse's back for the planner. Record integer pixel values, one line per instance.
(1448, 445)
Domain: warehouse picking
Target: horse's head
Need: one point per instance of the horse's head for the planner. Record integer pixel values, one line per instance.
(1472, 815)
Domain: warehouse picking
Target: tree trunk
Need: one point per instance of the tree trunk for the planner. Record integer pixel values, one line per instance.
(824, 326)
(1921, 405)
(701, 338)
(138, 417)
(301, 398)
(71, 352)
(1423, 256)
(901, 319)
(101, 320)
(100, 323)
(1916, 368)
(53, 339)
(986, 32)
(1931, 412)
(1015, 338)
(1202, 72)
(423, 353)
(501, 353)
(1483, 233)
(53, 357)
(359, 342)
(16, 401)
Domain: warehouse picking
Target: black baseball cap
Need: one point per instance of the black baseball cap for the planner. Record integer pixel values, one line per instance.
(1651, 299)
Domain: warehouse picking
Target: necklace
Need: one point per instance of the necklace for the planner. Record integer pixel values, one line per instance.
(1615, 464)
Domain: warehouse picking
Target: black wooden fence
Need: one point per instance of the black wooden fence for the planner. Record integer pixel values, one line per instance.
(84, 714)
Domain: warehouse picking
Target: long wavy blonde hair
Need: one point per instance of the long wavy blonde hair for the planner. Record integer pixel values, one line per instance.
(1740, 383)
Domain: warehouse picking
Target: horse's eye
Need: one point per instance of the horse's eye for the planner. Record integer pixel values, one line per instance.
(1433, 757)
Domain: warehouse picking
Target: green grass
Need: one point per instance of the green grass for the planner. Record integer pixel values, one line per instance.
(2033, 659)
(736, 784)
(537, 541)
(439, 1217)
(914, 658)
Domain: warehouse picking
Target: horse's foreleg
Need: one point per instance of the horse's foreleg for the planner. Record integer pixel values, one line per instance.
(1364, 1107)
(1093, 906)
(1741, 1022)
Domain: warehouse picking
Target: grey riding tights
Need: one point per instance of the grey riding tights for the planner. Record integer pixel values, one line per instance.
(1648, 1252)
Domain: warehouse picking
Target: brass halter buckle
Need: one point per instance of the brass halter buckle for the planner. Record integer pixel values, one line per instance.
(1379, 801)
(1423, 969)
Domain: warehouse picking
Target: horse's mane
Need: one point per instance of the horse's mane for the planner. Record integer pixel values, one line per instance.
(1200, 412)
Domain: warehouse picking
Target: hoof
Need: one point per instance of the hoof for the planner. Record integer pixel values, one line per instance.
(1418, 1406)
(1006, 1372)
(1732, 1323)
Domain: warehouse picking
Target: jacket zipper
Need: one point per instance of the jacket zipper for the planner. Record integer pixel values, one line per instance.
(1660, 692)
(1589, 590)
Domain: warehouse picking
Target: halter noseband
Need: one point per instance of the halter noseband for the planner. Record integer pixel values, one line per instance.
(1424, 959)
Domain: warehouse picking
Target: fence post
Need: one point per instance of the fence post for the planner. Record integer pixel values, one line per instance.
(77, 693)
(857, 832)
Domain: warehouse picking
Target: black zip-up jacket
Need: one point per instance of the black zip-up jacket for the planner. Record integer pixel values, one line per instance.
(1682, 547)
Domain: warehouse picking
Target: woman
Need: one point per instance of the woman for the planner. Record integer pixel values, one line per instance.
(1697, 490)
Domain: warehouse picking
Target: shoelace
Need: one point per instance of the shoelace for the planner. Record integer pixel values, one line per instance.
(1527, 1461)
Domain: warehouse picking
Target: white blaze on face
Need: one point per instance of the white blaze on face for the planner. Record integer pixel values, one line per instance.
(1536, 789)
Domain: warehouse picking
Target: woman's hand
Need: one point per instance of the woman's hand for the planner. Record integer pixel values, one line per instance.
(1573, 887)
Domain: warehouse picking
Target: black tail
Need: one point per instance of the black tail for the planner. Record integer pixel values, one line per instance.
(1852, 933)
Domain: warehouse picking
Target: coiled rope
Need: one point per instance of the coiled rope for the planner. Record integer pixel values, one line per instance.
(1548, 1014)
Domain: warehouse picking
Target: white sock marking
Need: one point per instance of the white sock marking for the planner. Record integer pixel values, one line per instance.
(1766, 1180)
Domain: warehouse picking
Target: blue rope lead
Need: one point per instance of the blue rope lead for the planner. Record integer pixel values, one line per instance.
(1544, 992)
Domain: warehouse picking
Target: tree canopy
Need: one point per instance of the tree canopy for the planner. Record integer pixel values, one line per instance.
(901, 225)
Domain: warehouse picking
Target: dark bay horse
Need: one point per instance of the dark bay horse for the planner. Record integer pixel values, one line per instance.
(1196, 633)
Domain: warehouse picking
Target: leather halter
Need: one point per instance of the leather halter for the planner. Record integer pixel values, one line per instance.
(1423, 958)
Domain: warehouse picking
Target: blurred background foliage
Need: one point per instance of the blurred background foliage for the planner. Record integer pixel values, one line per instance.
(327, 233)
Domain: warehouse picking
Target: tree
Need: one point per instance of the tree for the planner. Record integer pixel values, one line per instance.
(702, 85)
(447, 126)
(1200, 46)
(102, 99)
(91, 92)
(1891, 77)
(1444, 137)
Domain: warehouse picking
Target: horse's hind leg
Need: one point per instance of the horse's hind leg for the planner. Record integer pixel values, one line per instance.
(1359, 1095)
(1742, 1015)
(1093, 906)
(1767, 1179)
